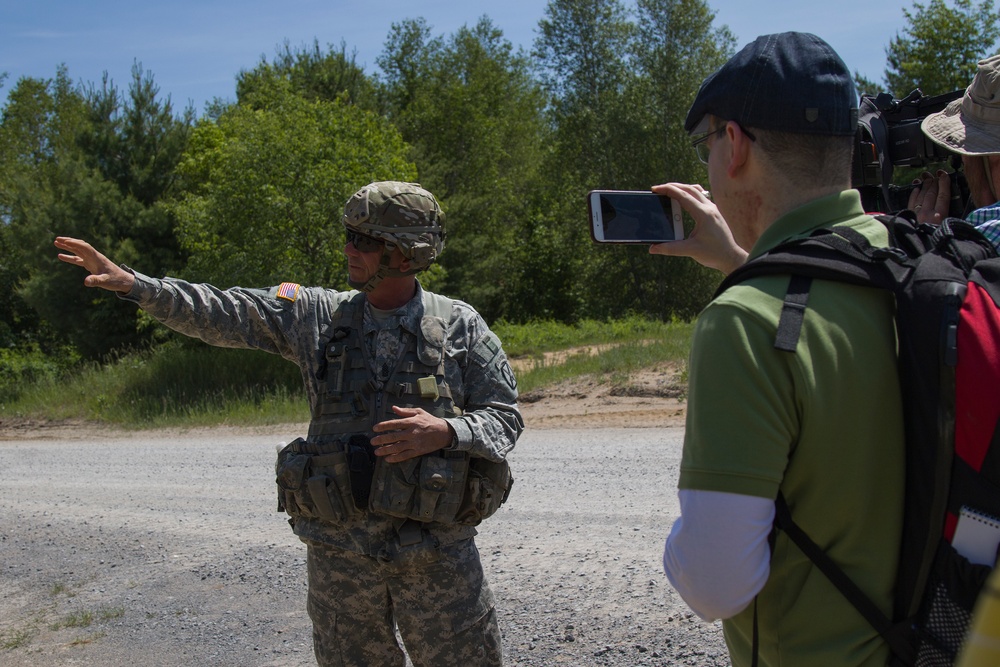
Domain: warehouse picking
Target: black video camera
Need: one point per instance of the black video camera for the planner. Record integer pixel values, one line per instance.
(889, 136)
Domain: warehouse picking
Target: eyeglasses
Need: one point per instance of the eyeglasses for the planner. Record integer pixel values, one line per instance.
(363, 242)
(701, 147)
(700, 144)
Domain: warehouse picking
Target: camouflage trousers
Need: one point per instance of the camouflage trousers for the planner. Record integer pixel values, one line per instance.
(444, 610)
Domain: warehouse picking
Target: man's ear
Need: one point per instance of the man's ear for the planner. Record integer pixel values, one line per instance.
(739, 148)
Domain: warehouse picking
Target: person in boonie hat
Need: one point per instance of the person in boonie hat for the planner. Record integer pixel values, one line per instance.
(969, 126)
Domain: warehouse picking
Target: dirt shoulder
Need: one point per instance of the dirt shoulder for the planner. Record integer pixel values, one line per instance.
(651, 398)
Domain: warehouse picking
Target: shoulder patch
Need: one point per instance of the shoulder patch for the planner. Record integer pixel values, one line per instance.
(288, 291)
(507, 373)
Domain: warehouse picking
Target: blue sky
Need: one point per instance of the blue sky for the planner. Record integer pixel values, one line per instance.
(195, 48)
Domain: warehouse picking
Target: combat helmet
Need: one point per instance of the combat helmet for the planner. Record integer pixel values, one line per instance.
(402, 215)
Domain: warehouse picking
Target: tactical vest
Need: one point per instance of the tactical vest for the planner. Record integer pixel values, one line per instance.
(350, 401)
(334, 475)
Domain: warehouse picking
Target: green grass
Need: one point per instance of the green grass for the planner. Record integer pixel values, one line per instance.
(17, 638)
(192, 384)
(177, 384)
(111, 613)
(59, 588)
(537, 338)
(613, 364)
(28, 366)
(78, 619)
(47, 616)
(85, 618)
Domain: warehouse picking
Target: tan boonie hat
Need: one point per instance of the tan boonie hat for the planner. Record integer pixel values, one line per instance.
(971, 125)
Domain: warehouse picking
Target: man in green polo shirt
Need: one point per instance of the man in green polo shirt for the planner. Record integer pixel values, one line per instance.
(823, 424)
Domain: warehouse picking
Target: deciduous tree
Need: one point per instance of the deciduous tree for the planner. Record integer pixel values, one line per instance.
(940, 46)
(621, 88)
(266, 185)
(96, 164)
(315, 75)
(473, 114)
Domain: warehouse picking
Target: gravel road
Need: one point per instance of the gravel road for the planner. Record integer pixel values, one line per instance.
(161, 549)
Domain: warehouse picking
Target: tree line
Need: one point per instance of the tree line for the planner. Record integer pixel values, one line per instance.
(510, 140)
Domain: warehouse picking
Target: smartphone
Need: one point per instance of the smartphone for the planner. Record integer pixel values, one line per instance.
(625, 216)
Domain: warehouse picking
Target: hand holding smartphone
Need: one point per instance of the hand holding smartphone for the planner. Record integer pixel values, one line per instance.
(633, 216)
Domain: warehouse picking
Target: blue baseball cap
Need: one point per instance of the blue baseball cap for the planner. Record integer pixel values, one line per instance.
(790, 82)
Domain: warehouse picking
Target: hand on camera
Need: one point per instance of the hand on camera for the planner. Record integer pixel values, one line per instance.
(930, 197)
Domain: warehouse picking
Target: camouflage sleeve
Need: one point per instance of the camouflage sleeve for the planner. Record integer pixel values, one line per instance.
(235, 317)
(491, 422)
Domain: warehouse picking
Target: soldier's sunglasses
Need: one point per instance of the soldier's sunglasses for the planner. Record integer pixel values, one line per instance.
(363, 242)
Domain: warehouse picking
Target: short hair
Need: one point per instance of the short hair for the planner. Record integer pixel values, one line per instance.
(807, 160)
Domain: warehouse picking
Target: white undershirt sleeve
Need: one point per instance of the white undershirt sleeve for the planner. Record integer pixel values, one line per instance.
(717, 555)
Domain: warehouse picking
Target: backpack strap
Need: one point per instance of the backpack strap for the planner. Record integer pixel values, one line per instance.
(755, 641)
(897, 636)
(793, 313)
(840, 253)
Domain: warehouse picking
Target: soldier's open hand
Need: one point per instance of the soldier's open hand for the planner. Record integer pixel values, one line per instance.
(103, 272)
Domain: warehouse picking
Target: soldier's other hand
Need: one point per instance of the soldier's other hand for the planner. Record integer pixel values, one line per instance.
(710, 243)
(103, 272)
(415, 433)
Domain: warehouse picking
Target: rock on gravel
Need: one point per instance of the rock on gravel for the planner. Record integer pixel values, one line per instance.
(165, 549)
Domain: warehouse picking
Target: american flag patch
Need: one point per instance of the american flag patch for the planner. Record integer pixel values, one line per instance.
(288, 291)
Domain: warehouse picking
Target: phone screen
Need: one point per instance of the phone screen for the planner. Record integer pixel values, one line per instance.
(618, 216)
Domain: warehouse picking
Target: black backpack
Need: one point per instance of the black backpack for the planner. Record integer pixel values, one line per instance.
(946, 282)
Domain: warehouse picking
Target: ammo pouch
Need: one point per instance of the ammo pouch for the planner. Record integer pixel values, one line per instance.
(314, 485)
(444, 487)
(486, 490)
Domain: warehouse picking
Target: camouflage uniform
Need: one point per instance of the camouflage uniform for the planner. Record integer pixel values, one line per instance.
(370, 570)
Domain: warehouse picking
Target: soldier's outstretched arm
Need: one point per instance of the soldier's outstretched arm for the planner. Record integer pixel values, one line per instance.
(103, 272)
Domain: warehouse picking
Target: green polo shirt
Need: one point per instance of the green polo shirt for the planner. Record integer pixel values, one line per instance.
(823, 424)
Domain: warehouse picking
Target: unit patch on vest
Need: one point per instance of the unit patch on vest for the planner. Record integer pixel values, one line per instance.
(288, 291)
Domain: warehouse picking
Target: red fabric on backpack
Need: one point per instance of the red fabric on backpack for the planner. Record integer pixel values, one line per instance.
(977, 377)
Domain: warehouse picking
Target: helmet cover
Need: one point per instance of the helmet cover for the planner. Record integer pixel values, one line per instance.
(404, 215)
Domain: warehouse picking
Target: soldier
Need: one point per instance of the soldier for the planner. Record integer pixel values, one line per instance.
(413, 411)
